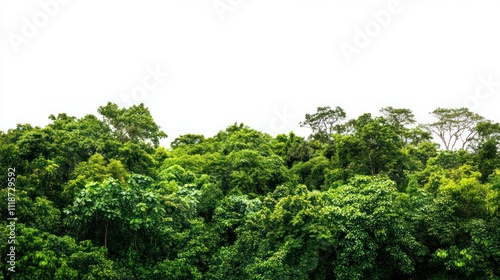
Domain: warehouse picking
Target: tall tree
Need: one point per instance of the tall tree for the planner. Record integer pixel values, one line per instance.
(187, 139)
(379, 141)
(133, 124)
(454, 126)
(488, 146)
(325, 122)
(488, 131)
(113, 214)
(398, 117)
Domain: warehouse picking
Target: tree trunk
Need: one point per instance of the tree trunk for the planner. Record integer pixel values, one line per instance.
(372, 169)
(135, 242)
(106, 234)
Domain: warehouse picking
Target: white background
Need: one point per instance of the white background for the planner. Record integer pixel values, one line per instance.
(265, 63)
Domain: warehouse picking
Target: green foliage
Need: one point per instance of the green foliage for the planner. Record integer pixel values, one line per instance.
(488, 158)
(254, 173)
(133, 124)
(292, 148)
(312, 172)
(369, 198)
(454, 126)
(352, 232)
(46, 256)
(96, 169)
(325, 122)
(113, 213)
(136, 159)
(189, 142)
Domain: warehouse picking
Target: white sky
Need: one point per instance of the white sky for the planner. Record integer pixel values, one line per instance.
(266, 64)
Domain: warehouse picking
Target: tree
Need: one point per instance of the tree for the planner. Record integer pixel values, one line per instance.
(370, 198)
(454, 126)
(187, 139)
(111, 213)
(78, 139)
(487, 158)
(95, 169)
(487, 148)
(241, 137)
(379, 142)
(325, 122)
(292, 148)
(136, 159)
(133, 124)
(488, 130)
(47, 256)
(312, 172)
(254, 174)
(356, 231)
(398, 117)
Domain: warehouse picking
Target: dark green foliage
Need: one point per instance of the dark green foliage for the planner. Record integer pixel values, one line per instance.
(488, 159)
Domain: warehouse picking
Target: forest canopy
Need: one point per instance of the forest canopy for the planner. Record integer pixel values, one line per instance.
(370, 197)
